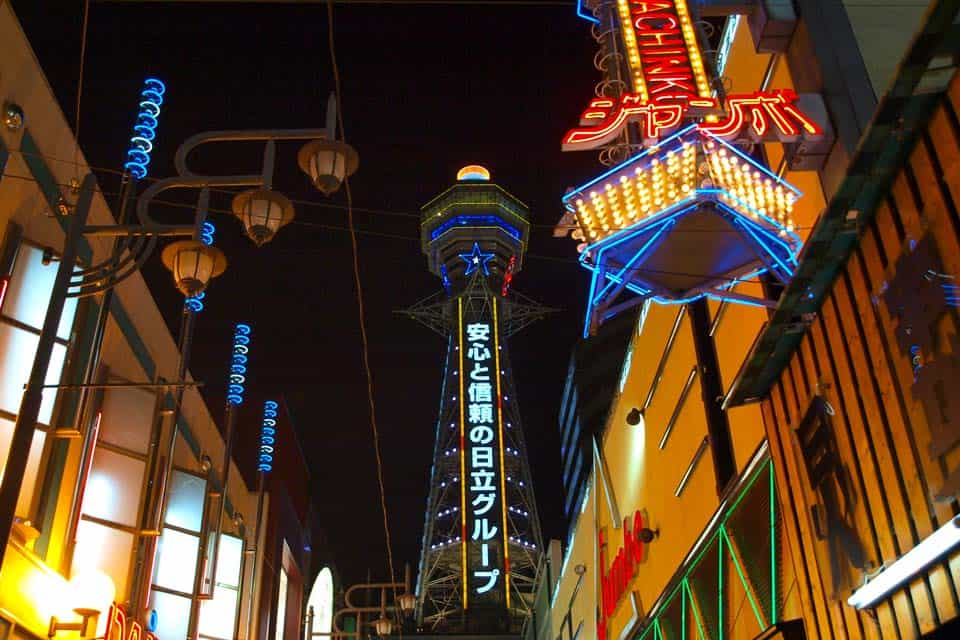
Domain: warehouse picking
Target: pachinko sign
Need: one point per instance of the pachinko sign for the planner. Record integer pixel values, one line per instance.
(616, 577)
(670, 86)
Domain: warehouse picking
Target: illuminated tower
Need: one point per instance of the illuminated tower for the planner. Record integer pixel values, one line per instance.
(481, 542)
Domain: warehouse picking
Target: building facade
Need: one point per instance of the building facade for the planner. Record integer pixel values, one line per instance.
(689, 521)
(84, 535)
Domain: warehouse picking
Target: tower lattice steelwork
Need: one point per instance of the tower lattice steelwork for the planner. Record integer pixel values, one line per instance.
(481, 542)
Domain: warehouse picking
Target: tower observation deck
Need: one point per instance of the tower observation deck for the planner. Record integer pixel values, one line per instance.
(481, 543)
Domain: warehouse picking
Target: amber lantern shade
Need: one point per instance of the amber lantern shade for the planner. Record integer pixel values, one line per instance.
(193, 264)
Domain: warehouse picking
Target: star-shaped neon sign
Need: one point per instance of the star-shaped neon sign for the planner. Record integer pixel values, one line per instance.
(476, 259)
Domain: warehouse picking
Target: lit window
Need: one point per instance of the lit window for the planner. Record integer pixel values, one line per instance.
(21, 319)
(281, 605)
(218, 616)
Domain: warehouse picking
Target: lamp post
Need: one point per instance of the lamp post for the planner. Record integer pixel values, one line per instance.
(389, 614)
(192, 265)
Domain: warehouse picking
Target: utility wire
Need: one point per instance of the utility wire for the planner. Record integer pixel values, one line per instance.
(327, 205)
(406, 238)
(360, 309)
(83, 55)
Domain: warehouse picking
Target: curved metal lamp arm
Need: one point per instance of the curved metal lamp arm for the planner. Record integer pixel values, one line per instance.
(269, 136)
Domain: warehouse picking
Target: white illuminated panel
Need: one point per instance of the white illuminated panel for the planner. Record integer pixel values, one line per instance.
(31, 285)
(173, 614)
(281, 618)
(18, 348)
(321, 599)
(218, 616)
(113, 488)
(33, 463)
(127, 418)
(105, 549)
(185, 509)
(931, 549)
(176, 560)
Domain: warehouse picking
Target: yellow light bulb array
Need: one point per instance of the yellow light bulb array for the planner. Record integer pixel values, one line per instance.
(742, 184)
(633, 51)
(637, 193)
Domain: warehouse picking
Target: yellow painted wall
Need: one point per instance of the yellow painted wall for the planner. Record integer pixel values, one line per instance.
(643, 476)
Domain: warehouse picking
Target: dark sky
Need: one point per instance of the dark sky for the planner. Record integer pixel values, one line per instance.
(426, 90)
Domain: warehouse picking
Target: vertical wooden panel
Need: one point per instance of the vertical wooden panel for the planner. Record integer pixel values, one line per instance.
(859, 456)
(788, 514)
(861, 516)
(834, 612)
(851, 618)
(821, 618)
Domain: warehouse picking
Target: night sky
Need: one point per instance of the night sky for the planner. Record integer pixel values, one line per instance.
(427, 88)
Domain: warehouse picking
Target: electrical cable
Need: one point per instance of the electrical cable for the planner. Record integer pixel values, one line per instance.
(360, 308)
(408, 238)
(83, 55)
(328, 205)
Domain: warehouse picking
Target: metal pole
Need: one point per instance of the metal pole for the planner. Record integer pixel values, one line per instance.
(33, 395)
(261, 487)
(85, 403)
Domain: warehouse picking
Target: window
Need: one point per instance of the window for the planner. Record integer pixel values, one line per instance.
(281, 605)
(22, 312)
(113, 494)
(176, 559)
(218, 616)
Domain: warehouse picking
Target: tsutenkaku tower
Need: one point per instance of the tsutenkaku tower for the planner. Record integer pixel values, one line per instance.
(481, 542)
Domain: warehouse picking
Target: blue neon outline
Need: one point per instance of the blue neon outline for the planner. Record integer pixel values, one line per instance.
(487, 219)
(648, 246)
(586, 16)
(476, 253)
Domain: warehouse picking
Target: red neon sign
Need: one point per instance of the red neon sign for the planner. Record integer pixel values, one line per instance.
(508, 276)
(615, 581)
(119, 627)
(762, 115)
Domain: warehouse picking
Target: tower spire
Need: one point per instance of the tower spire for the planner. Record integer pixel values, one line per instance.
(481, 545)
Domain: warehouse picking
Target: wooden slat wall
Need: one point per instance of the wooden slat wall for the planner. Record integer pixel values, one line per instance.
(850, 356)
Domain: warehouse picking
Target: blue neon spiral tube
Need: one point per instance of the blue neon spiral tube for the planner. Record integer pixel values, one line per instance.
(268, 436)
(145, 128)
(237, 385)
(195, 303)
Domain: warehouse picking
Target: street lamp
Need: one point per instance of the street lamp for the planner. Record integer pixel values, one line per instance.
(383, 626)
(193, 264)
(327, 162)
(262, 213)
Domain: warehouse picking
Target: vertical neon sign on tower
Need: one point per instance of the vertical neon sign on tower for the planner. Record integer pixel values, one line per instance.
(145, 128)
(484, 545)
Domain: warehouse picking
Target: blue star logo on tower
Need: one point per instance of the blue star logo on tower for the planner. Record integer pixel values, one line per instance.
(476, 259)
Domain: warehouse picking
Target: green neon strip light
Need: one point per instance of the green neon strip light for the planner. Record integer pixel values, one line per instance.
(773, 549)
(693, 606)
(658, 632)
(743, 578)
(683, 613)
(717, 538)
(720, 583)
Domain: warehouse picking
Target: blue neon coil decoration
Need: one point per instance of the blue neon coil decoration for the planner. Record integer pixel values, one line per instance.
(238, 364)
(268, 436)
(195, 303)
(145, 128)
